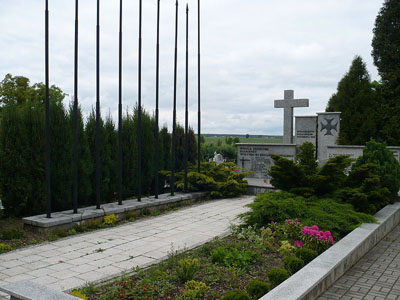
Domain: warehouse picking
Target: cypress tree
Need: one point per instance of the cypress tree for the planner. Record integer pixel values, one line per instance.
(358, 102)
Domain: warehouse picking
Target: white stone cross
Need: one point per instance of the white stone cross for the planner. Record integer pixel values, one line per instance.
(288, 103)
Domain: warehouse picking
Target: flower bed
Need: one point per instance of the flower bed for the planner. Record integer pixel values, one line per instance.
(246, 264)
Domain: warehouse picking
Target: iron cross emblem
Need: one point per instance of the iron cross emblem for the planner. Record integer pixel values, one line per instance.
(329, 126)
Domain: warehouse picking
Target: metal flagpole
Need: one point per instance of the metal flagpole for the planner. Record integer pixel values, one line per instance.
(174, 112)
(187, 101)
(120, 166)
(139, 126)
(98, 162)
(199, 110)
(47, 130)
(75, 187)
(156, 130)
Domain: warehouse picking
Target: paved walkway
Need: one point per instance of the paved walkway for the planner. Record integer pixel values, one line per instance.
(71, 262)
(375, 277)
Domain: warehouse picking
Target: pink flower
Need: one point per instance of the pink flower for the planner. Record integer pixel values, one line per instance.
(298, 244)
(314, 227)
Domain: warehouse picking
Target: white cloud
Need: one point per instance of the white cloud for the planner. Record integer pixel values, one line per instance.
(251, 51)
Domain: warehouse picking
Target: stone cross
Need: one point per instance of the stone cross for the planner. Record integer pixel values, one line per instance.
(288, 103)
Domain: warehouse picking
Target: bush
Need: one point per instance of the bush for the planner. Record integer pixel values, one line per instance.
(307, 255)
(256, 289)
(235, 295)
(388, 167)
(286, 248)
(277, 275)
(11, 234)
(221, 181)
(218, 255)
(187, 268)
(5, 248)
(195, 290)
(328, 213)
(233, 257)
(293, 264)
(110, 220)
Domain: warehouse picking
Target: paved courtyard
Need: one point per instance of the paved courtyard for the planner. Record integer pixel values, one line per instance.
(74, 261)
(375, 277)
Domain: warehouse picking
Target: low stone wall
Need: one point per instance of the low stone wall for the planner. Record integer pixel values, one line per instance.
(66, 220)
(316, 277)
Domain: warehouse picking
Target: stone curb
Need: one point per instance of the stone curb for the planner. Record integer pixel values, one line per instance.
(316, 277)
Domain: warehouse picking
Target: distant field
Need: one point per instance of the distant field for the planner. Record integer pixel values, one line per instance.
(214, 140)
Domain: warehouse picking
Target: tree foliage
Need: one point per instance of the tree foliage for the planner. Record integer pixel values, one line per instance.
(358, 102)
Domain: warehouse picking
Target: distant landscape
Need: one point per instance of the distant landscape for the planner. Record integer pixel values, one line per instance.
(214, 138)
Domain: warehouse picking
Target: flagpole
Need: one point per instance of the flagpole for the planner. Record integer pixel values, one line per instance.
(187, 101)
(120, 166)
(199, 107)
(139, 126)
(47, 104)
(75, 186)
(174, 111)
(156, 130)
(98, 162)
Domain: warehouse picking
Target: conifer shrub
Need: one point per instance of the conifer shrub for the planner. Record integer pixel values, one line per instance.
(195, 290)
(277, 276)
(5, 248)
(307, 255)
(293, 263)
(187, 268)
(221, 181)
(235, 295)
(256, 289)
(329, 214)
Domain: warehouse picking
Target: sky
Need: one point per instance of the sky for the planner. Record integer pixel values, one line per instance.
(251, 52)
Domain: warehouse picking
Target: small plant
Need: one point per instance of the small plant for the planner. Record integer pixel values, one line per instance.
(72, 232)
(78, 294)
(145, 211)
(195, 290)
(12, 234)
(79, 228)
(53, 238)
(155, 212)
(306, 255)
(235, 295)
(110, 220)
(218, 255)
(277, 275)
(94, 224)
(187, 268)
(61, 233)
(293, 264)
(5, 248)
(286, 248)
(256, 289)
(99, 250)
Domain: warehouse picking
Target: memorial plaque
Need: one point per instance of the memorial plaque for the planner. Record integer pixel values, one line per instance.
(356, 151)
(328, 127)
(256, 157)
(306, 130)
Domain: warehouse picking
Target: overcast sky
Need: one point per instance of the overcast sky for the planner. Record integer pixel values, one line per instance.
(251, 52)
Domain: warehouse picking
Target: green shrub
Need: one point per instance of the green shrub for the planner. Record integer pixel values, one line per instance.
(187, 268)
(79, 228)
(256, 289)
(328, 213)
(277, 275)
(293, 264)
(218, 255)
(286, 248)
(235, 295)
(221, 181)
(195, 290)
(307, 255)
(5, 248)
(233, 257)
(11, 234)
(388, 167)
(110, 220)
